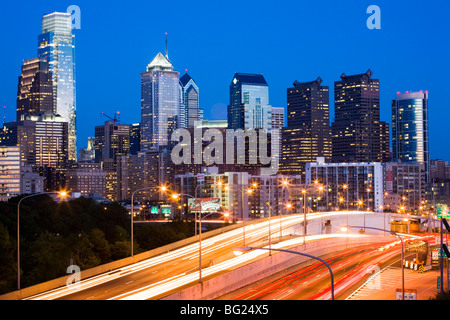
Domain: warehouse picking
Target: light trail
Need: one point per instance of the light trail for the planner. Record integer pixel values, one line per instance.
(209, 245)
(163, 287)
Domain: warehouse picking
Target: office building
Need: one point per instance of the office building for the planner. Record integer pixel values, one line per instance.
(43, 142)
(358, 134)
(56, 46)
(10, 175)
(407, 181)
(111, 140)
(308, 133)
(190, 102)
(160, 103)
(35, 89)
(87, 154)
(249, 103)
(146, 170)
(359, 185)
(87, 179)
(135, 138)
(32, 182)
(410, 129)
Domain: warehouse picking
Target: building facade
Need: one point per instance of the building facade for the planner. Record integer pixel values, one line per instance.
(10, 174)
(35, 89)
(249, 103)
(410, 129)
(353, 186)
(308, 133)
(160, 103)
(87, 179)
(358, 134)
(190, 102)
(407, 181)
(56, 46)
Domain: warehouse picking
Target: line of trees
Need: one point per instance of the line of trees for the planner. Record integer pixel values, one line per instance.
(54, 235)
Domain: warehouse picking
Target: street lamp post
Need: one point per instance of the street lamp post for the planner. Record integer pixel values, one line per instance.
(245, 249)
(132, 212)
(175, 196)
(401, 239)
(243, 217)
(61, 194)
(288, 206)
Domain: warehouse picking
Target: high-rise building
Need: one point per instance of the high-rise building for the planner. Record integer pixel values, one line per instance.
(308, 133)
(410, 129)
(87, 179)
(35, 89)
(354, 186)
(190, 102)
(10, 175)
(146, 169)
(249, 103)
(407, 181)
(277, 118)
(135, 138)
(43, 143)
(357, 130)
(160, 103)
(111, 140)
(56, 45)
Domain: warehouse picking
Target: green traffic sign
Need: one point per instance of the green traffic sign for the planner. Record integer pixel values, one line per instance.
(442, 211)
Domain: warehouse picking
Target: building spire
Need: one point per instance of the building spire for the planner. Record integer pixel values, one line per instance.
(167, 52)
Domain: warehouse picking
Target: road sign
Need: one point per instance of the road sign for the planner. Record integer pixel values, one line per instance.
(442, 211)
(410, 294)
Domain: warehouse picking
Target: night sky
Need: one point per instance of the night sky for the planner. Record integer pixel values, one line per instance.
(283, 40)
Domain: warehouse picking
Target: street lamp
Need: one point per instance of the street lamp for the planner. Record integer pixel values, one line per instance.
(62, 194)
(162, 188)
(270, 215)
(288, 206)
(241, 250)
(176, 196)
(249, 191)
(345, 228)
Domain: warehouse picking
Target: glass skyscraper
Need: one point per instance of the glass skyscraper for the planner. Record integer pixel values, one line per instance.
(160, 103)
(358, 133)
(35, 89)
(190, 102)
(56, 45)
(249, 103)
(410, 129)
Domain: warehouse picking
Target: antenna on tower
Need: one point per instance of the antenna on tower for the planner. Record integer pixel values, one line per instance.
(167, 52)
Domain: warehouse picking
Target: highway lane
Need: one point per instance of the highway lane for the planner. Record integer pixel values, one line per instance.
(154, 277)
(161, 268)
(312, 282)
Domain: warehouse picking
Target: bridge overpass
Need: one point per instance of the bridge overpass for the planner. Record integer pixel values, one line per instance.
(167, 271)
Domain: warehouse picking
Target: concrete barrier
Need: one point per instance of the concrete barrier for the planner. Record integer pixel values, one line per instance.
(263, 268)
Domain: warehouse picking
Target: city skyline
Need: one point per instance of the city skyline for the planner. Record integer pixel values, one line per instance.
(212, 63)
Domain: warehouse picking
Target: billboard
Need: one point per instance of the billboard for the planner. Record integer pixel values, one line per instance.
(204, 204)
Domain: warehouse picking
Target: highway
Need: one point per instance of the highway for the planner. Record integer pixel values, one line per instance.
(312, 282)
(161, 275)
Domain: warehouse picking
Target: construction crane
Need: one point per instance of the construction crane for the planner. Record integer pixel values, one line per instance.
(116, 118)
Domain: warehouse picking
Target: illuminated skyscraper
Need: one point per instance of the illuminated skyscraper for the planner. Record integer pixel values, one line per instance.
(160, 103)
(410, 129)
(190, 102)
(358, 133)
(249, 103)
(56, 45)
(35, 89)
(308, 133)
